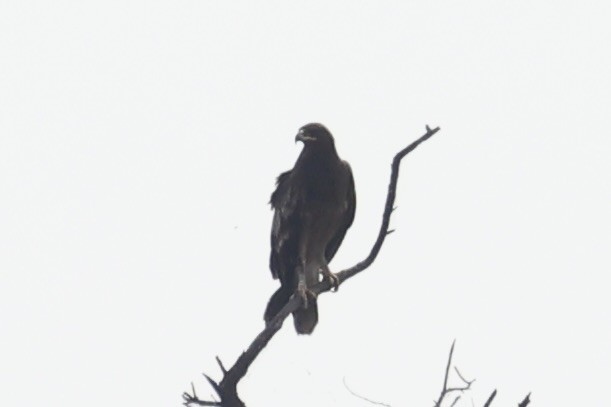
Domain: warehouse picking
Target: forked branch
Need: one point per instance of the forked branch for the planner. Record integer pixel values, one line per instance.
(445, 390)
(227, 387)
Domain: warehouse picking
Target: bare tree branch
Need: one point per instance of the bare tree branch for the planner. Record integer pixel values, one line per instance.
(445, 390)
(489, 401)
(227, 388)
(388, 209)
(525, 402)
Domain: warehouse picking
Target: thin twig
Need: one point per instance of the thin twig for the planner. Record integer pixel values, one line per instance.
(455, 401)
(190, 400)
(445, 378)
(467, 382)
(227, 388)
(218, 360)
(377, 403)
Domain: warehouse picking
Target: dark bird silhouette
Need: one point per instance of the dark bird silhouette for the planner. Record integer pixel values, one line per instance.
(314, 206)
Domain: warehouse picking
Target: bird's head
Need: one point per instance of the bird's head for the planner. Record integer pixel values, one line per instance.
(315, 135)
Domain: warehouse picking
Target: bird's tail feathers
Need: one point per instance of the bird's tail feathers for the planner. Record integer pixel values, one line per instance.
(305, 319)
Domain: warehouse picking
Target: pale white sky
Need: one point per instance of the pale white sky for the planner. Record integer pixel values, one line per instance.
(139, 142)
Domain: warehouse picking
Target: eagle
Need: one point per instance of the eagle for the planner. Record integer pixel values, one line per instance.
(314, 205)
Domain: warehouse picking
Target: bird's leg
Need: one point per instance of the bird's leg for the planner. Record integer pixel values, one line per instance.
(302, 288)
(328, 274)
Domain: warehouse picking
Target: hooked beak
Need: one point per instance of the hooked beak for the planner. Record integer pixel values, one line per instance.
(302, 136)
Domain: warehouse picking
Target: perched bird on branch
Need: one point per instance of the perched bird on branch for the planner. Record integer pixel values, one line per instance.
(314, 206)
